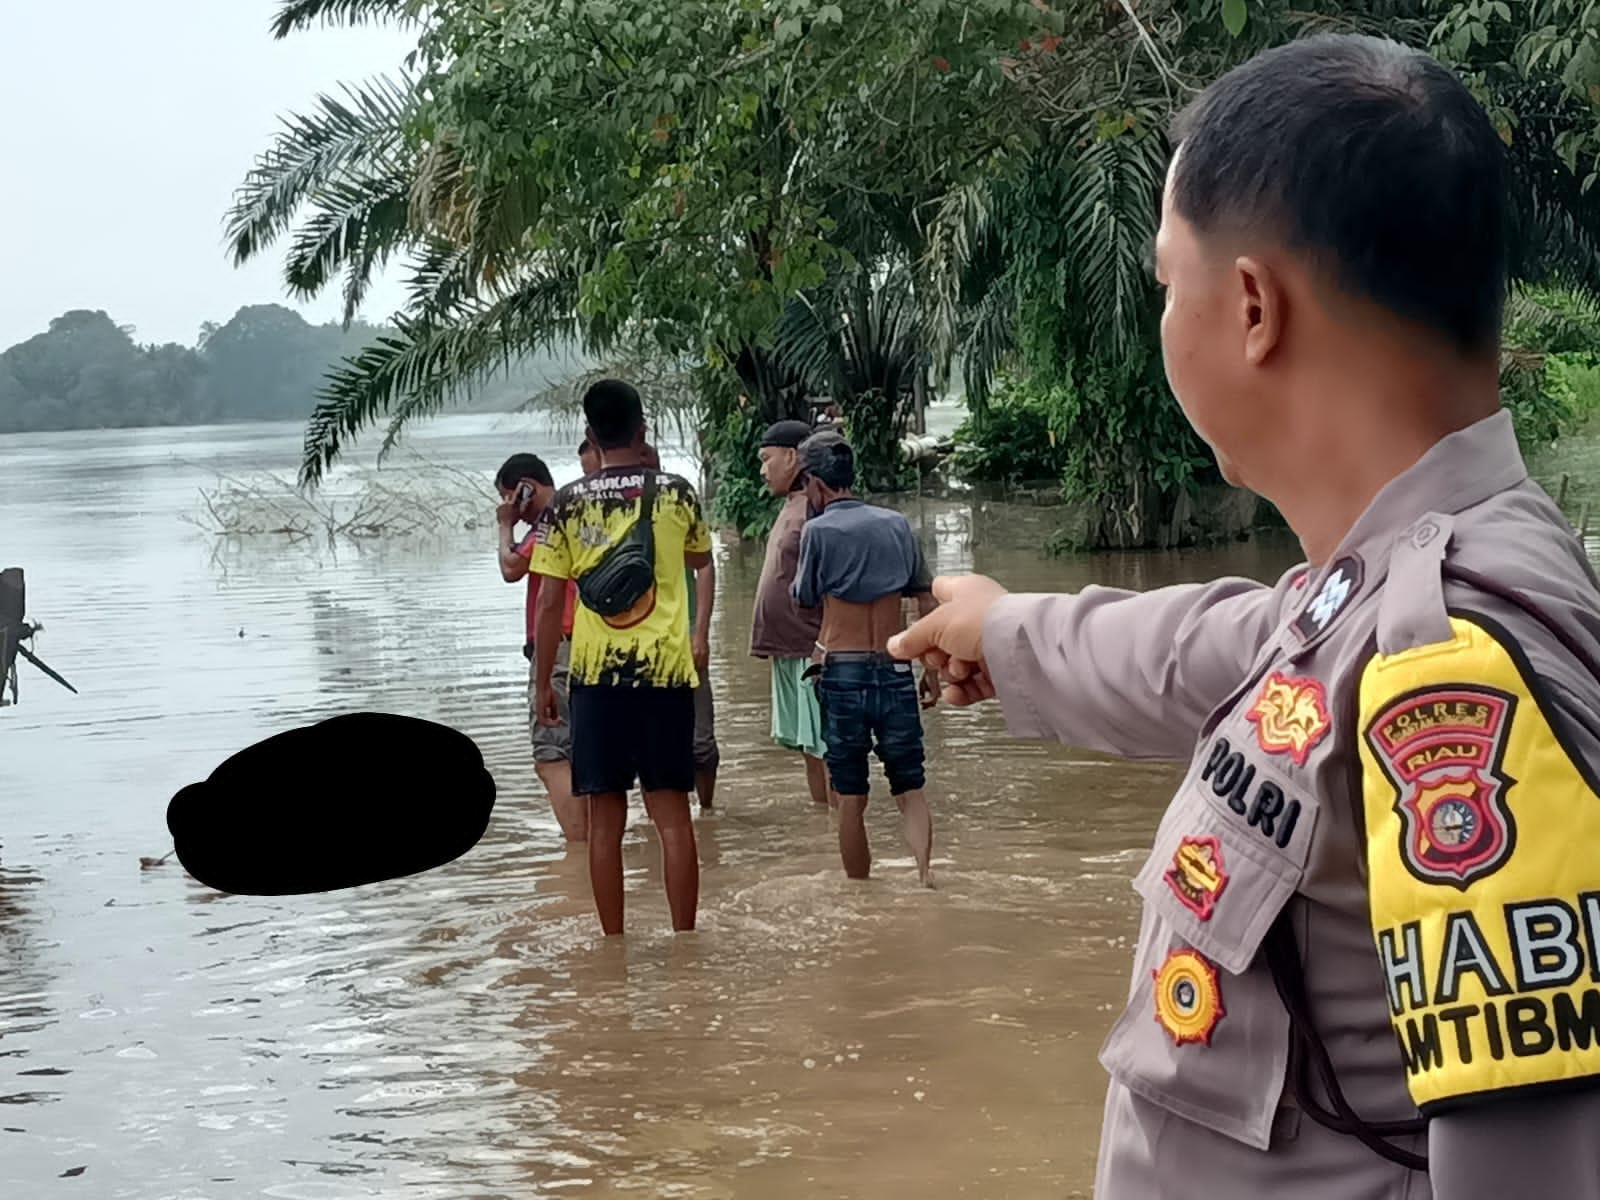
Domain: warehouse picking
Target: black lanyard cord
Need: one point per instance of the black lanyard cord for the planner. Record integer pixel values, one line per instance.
(1283, 960)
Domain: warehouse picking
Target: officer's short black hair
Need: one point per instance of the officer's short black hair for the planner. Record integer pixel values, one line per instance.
(523, 466)
(1370, 158)
(614, 412)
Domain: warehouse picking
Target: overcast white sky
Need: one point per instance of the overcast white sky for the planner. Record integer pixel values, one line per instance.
(124, 127)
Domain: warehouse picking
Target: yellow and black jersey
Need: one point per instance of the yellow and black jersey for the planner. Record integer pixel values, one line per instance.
(648, 646)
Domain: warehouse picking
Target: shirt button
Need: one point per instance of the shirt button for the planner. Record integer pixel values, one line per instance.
(1424, 535)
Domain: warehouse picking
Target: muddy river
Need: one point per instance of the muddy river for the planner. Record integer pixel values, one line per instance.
(468, 1034)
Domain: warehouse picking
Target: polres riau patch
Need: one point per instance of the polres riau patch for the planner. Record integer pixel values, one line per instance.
(1442, 749)
(1197, 874)
(1290, 716)
(1188, 997)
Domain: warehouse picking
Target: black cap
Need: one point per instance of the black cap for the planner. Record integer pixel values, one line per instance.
(826, 456)
(786, 435)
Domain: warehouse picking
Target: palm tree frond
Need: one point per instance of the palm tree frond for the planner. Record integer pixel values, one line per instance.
(443, 278)
(355, 226)
(295, 15)
(420, 368)
(988, 340)
(1110, 223)
(957, 229)
(340, 141)
(807, 341)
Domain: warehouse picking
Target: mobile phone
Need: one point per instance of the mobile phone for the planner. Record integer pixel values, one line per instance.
(524, 493)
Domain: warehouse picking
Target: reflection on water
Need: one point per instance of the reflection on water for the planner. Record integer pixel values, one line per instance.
(468, 1034)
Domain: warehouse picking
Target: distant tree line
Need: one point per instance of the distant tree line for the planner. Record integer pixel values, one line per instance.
(267, 363)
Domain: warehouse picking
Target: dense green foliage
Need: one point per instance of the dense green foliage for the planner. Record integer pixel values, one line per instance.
(1548, 367)
(801, 198)
(1014, 439)
(680, 174)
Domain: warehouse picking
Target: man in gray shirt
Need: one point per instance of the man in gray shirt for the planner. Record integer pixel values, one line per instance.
(858, 562)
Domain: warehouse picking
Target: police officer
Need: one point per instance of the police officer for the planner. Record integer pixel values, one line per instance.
(1369, 960)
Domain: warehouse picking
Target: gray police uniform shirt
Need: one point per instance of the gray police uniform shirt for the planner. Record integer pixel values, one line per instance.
(1394, 760)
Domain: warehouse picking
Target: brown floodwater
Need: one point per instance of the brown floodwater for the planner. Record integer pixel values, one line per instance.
(468, 1033)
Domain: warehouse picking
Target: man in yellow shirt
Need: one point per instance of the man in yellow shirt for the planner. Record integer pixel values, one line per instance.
(633, 670)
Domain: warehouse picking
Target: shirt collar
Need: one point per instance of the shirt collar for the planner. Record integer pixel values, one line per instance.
(1460, 470)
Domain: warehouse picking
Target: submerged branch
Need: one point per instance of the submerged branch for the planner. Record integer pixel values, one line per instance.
(429, 498)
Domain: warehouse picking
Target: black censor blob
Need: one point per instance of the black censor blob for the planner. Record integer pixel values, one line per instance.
(352, 800)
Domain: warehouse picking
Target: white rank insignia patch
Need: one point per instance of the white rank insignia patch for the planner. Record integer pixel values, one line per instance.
(1339, 587)
(1441, 749)
(1188, 997)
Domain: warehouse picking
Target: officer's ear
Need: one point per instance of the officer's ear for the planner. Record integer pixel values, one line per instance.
(1263, 307)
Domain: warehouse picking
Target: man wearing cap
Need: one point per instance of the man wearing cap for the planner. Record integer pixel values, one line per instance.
(859, 562)
(781, 631)
(1369, 960)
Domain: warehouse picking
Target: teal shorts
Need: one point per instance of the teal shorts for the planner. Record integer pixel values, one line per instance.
(796, 715)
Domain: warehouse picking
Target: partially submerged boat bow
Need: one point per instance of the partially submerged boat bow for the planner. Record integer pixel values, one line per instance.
(15, 630)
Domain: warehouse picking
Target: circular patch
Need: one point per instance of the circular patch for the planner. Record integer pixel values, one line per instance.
(1454, 824)
(1188, 997)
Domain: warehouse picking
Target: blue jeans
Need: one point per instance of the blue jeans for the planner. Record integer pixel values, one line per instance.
(870, 698)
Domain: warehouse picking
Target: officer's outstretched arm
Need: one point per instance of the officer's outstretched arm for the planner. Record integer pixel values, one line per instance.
(1482, 824)
(1133, 674)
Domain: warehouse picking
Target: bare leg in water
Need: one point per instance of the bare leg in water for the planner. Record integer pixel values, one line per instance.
(916, 823)
(853, 846)
(680, 860)
(572, 812)
(608, 821)
(817, 782)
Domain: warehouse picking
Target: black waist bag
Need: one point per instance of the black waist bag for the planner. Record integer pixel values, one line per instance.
(627, 572)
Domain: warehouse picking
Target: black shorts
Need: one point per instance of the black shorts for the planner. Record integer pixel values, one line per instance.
(625, 734)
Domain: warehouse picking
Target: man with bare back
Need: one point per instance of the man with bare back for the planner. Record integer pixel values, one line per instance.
(858, 563)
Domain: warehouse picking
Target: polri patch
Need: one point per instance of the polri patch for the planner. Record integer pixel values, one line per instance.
(1188, 997)
(1341, 585)
(1263, 804)
(1442, 748)
(1197, 874)
(1290, 716)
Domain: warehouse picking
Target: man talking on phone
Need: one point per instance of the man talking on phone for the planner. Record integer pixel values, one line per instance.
(526, 489)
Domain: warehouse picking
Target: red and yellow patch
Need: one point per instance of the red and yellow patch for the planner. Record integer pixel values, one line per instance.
(1188, 997)
(1197, 875)
(1441, 749)
(1290, 716)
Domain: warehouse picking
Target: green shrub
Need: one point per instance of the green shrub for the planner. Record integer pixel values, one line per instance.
(1575, 377)
(739, 499)
(1549, 378)
(1011, 441)
(1540, 413)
